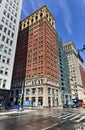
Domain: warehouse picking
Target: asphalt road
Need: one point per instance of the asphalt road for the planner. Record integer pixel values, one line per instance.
(45, 119)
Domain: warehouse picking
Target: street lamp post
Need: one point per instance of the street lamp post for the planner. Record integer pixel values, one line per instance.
(21, 97)
(82, 49)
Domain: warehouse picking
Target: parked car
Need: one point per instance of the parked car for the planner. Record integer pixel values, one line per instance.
(75, 105)
(65, 106)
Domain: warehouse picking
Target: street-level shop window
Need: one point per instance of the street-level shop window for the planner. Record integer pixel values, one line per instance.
(27, 98)
(33, 90)
(40, 91)
(27, 91)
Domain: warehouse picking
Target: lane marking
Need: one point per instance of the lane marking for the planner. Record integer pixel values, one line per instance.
(53, 125)
(56, 115)
(69, 116)
(74, 117)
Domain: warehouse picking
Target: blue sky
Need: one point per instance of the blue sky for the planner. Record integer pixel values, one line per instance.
(69, 16)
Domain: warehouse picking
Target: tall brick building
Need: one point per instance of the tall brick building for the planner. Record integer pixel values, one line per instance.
(36, 60)
(82, 71)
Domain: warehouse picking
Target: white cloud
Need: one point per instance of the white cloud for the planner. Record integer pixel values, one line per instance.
(66, 15)
(24, 11)
(84, 2)
(32, 3)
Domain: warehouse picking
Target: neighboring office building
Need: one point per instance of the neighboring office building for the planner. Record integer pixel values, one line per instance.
(40, 70)
(9, 22)
(82, 71)
(81, 89)
(64, 82)
(81, 94)
(74, 67)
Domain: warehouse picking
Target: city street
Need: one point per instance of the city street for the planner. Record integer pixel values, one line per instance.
(45, 119)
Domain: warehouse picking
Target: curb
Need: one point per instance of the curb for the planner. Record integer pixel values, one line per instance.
(15, 112)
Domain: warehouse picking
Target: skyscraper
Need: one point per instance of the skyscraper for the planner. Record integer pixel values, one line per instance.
(64, 82)
(9, 23)
(74, 67)
(40, 68)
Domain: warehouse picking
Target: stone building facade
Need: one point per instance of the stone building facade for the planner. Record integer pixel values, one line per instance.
(40, 63)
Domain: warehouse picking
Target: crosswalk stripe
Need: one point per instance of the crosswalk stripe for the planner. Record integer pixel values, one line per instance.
(80, 119)
(56, 115)
(64, 115)
(74, 117)
(69, 116)
(59, 115)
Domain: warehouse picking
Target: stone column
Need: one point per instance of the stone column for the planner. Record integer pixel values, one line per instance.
(51, 98)
(45, 96)
(36, 101)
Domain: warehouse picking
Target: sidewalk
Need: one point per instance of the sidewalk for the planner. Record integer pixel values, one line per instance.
(9, 112)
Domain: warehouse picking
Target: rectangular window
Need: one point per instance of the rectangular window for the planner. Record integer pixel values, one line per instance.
(6, 49)
(11, 42)
(33, 90)
(0, 57)
(7, 40)
(10, 25)
(16, 9)
(17, 3)
(0, 81)
(15, 14)
(5, 29)
(11, 18)
(1, 47)
(6, 6)
(4, 59)
(1, 26)
(12, 11)
(4, 83)
(14, 20)
(9, 32)
(4, 12)
(13, 27)
(8, 60)
(3, 19)
(6, 71)
(7, 22)
(3, 38)
(0, 1)
(12, 35)
(9, 51)
(9, 9)
(2, 70)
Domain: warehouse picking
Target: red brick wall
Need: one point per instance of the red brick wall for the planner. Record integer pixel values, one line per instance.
(20, 56)
(41, 55)
(82, 71)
